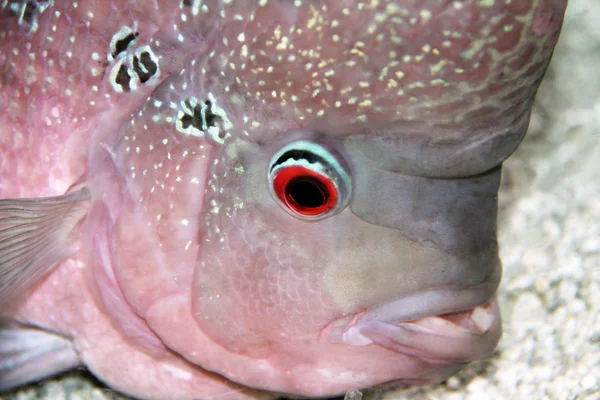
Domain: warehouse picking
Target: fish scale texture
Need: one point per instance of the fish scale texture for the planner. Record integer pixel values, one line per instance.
(549, 237)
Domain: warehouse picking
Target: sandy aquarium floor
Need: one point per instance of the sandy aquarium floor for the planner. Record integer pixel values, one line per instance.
(549, 229)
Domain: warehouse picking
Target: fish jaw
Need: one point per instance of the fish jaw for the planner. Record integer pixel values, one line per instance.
(312, 367)
(327, 368)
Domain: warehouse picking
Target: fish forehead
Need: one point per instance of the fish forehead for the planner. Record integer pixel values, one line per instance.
(346, 66)
(338, 66)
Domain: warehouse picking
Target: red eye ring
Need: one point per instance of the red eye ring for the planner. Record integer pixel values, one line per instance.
(309, 180)
(305, 191)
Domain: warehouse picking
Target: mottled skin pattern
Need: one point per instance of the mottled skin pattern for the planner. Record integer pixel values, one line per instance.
(186, 264)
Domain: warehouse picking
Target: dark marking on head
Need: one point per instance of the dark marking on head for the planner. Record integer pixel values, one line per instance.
(187, 3)
(298, 155)
(144, 66)
(196, 120)
(211, 118)
(29, 13)
(123, 79)
(122, 44)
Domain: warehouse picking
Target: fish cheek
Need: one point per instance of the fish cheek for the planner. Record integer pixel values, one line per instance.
(259, 289)
(374, 264)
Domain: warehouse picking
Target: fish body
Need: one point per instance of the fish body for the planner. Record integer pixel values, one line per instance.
(239, 199)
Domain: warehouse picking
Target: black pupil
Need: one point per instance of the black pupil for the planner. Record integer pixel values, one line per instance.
(307, 193)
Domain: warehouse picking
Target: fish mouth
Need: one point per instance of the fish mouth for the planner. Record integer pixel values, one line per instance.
(442, 339)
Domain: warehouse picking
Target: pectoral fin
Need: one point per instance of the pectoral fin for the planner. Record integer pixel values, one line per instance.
(29, 354)
(35, 234)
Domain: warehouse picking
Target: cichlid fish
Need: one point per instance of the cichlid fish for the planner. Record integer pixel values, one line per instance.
(241, 199)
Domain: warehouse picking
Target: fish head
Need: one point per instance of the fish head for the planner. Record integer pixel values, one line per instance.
(309, 205)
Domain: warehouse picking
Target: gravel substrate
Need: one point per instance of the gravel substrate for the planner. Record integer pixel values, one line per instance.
(549, 229)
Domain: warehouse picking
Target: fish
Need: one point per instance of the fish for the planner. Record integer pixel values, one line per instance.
(235, 199)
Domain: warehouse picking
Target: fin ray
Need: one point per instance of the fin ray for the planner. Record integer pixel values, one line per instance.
(34, 236)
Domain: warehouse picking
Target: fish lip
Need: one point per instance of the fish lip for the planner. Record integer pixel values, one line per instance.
(476, 320)
(418, 306)
(436, 301)
(439, 326)
(450, 338)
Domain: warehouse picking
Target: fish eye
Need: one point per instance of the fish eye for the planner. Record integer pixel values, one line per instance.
(308, 180)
